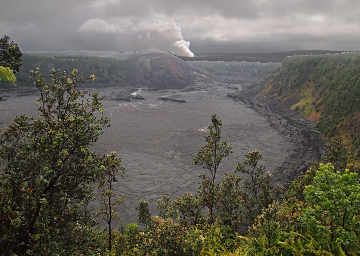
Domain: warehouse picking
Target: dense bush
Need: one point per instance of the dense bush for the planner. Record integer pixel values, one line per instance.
(48, 170)
(327, 222)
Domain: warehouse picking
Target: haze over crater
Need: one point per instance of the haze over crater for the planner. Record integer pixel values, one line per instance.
(182, 27)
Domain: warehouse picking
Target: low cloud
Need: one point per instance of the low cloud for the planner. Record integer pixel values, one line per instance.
(172, 25)
(153, 32)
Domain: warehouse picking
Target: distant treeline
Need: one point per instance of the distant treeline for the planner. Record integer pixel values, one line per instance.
(254, 57)
(109, 71)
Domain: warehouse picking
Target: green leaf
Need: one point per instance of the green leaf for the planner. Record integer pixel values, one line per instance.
(7, 75)
(43, 201)
(36, 236)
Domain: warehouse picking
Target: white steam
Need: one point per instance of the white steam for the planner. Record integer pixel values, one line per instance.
(181, 47)
(157, 32)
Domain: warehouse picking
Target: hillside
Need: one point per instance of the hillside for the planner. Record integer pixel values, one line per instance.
(151, 70)
(325, 89)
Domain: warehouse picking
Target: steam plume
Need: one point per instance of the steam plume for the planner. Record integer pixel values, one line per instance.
(157, 32)
(181, 47)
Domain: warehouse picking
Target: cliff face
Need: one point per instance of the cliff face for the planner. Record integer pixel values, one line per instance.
(324, 89)
(148, 70)
(159, 71)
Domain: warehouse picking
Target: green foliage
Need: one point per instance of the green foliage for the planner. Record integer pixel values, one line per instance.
(166, 207)
(297, 186)
(131, 231)
(6, 75)
(166, 238)
(144, 216)
(48, 169)
(210, 157)
(188, 209)
(124, 242)
(339, 155)
(10, 60)
(231, 202)
(258, 192)
(327, 222)
(10, 54)
(333, 214)
(298, 244)
(267, 225)
(111, 168)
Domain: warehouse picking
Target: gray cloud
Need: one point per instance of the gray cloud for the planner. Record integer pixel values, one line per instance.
(208, 24)
(232, 8)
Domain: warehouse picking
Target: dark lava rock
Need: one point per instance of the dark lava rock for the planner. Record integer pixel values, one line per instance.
(172, 99)
(124, 95)
(119, 98)
(137, 97)
(297, 130)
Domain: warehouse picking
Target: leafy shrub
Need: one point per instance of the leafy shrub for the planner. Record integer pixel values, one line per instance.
(327, 222)
(48, 168)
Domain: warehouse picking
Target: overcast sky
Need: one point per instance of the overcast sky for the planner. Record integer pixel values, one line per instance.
(222, 25)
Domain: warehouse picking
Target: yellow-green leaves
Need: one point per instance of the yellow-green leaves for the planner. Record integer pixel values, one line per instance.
(7, 75)
(69, 80)
(92, 77)
(75, 71)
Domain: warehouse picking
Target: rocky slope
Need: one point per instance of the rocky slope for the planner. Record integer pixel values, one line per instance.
(291, 125)
(324, 89)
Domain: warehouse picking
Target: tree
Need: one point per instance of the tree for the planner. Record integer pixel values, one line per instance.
(210, 157)
(10, 54)
(337, 154)
(48, 168)
(144, 216)
(186, 210)
(258, 192)
(231, 201)
(10, 60)
(112, 167)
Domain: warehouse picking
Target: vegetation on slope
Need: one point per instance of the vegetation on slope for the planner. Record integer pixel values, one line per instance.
(48, 171)
(325, 89)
